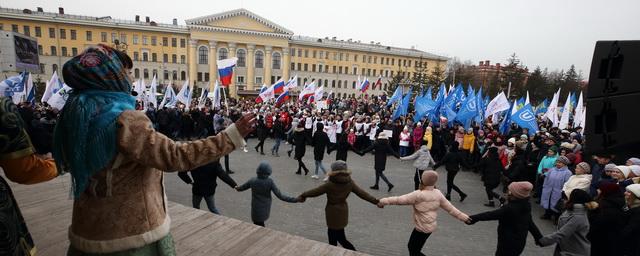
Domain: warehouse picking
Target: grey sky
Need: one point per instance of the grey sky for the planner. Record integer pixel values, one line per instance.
(546, 33)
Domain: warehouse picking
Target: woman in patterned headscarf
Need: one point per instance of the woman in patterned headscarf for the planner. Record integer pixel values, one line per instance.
(116, 159)
(21, 165)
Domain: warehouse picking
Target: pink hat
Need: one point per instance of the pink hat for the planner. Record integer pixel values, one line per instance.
(429, 178)
(521, 189)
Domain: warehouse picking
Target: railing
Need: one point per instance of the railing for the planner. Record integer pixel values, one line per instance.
(362, 46)
(106, 19)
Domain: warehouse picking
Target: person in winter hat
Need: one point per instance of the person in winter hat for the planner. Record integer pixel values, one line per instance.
(422, 162)
(606, 221)
(491, 170)
(514, 220)
(552, 187)
(631, 232)
(261, 188)
(382, 148)
(452, 161)
(633, 161)
(580, 180)
(338, 188)
(573, 226)
(426, 203)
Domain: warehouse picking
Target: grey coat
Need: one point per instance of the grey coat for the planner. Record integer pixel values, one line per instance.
(571, 236)
(422, 158)
(261, 188)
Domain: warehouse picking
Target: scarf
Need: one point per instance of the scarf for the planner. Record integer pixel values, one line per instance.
(14, 141)
(85, 136)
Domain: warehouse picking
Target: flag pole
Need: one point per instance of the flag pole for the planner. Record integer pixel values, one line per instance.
(226, 103)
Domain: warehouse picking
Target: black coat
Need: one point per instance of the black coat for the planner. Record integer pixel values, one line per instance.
(605, 224)
(319, 141)
(261, 129)
(278, 130)
(451, 161)
(382, 149)
(518, 169)
(300, 141)
(490, 169)
(631, 233)
(514, 222)
(342, 148)
(205, 178)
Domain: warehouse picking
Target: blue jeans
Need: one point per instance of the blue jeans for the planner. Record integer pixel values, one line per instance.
(207, 199)
(276, 147)
(403, 151)
(321, 167)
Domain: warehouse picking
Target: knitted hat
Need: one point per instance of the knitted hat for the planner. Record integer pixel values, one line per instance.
(512, 141)
(608, 188)
(429, 178)
(609, 167)
(339, 167)
(264, 169)
(624, 169)
(563, 159)
(520, 189)
(382, 136)
(585, 166)
(579, 196)
(635, 169)
(634, 189)
(554, 149)
(634, 160)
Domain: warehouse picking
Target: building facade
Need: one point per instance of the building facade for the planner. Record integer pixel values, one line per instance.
(175, 53)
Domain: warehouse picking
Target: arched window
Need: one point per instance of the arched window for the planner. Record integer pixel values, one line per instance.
(54, 67)
(145, 73)
(353, 85)
(136, 73)
(183, 75)
(326, 83)
(175, 75)
(304, 81)
(276, 60)
(259, 59)
(242, 55)
(203, 55)
(339, 83)
(338, 95)
(223, 53)
(166, 74)
(319, 82)
(333, 83)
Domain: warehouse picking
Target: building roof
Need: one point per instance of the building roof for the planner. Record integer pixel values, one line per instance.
(106, 21)
(358, 46)
(223, 15)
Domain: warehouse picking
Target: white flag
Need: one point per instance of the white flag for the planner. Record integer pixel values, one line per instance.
(577, 117)
(52, 87)
(292, 83)
(184, 95)
(317, 95)
(564, 120)
(216, 95)
(169, 98)
(552, 110)
(153, 91)
(58, 99)
(497, 104)
(526, 101)
(203, 96)
(267, 94)
(308, 90)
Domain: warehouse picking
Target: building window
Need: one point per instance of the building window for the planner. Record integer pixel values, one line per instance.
(321, 54)
(306, 53)
(54, 51)
(276, 60)
(364, 58)
(240, 80)
(326, 83)
(242, 55)
(114, 37)
(313, 67)
(223, 53)
(334, 69)
(183, 59)
(314, 53)
(52, 33)
(73, 34)
(355, 70)
(183, 42)
(136, 56)
(306, 67)
(206, 76)
(259, 80)
(299, 67)
(123, 38)
(320, 82)
(174, 58)
(145, 40)
(145, 73)
(320, 68)
(26, 30)
(375, 60)
(165, 58)
(174, 42)
(165, 75)
(340, 56)
(292, 52)
(326, 68)
(393, 62)
(38, 32)
(154, 40)
(155, 73)
(326, 55)
(89, 36)
(199, 76)
(339, 84)
(54, 68)
(63, 51)
(42, 66)
(154, 57)
(183, 75)
(203, 55)
(145, 56)
(387, 61)
(353, 85)
(259, 63)
(40, 51)
(299, 52)
(63, 33)
(369, 59)
(333, 83)
(175, 75)
(103, 38)
(339, 70)
(293, 66)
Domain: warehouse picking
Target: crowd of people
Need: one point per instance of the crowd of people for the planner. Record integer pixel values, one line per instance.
(103, 134)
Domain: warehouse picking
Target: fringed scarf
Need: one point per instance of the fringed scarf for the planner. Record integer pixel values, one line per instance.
(85, 135)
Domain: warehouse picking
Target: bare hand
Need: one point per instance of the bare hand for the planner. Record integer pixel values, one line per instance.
(380, 205)
(245, 125)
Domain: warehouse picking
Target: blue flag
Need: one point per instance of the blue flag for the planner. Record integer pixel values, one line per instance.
(525, 118)
(449, 114)
(480, 107)
(429, 94)
(468, 110)
(397, 95)
(402, 108)
(506, 122)
(435, 113)
(423, 106)
(542, 107)
(574, 101)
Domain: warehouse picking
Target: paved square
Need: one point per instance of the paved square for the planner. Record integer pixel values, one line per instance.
(372, 230)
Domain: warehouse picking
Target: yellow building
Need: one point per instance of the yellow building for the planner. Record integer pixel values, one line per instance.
(266, 51)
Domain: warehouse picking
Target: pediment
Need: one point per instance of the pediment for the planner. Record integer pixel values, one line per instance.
(240, 19)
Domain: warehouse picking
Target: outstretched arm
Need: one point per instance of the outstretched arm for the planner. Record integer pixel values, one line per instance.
(405, 199)
(320, 190)
(282, 196)
(363, 194)
(245, 186)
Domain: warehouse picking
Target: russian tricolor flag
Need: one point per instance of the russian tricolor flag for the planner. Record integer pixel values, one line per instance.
(282, 98)
(279, 87)
(365, 85)
(225, 70)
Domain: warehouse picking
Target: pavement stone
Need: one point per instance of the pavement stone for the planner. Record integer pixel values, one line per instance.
(372, 230)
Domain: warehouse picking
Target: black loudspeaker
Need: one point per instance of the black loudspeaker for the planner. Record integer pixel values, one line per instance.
(613, 100)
